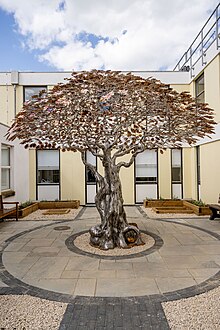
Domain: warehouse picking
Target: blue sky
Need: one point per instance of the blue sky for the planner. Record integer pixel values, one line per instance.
(12, 55)
(39, 35)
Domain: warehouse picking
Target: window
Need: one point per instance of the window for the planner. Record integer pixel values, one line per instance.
(48, 172)
(176, 170)
(29, 91)
(90, 178)
(5, 167)
(146, 167)
(200, 89)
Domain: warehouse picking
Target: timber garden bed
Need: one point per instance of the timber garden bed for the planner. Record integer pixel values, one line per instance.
(177, 206)
(28, 207)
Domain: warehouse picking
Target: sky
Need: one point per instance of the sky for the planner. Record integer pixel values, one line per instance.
(66, 35)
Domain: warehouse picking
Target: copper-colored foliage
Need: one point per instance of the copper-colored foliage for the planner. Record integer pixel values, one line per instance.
(111, 110)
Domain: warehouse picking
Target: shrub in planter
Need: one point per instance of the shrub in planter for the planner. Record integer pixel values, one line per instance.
(198, 207)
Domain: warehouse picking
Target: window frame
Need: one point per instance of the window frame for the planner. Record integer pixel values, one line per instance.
(155, 165)
(8, 167)
(181, 171)
(201, 93)
(47, 183)
(32, 86)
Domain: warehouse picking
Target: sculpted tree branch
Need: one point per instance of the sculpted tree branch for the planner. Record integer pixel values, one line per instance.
(111, 115)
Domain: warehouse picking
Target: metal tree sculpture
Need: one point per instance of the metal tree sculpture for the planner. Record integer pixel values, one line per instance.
(111, 114)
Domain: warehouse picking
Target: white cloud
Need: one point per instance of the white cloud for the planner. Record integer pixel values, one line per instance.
(157, 32)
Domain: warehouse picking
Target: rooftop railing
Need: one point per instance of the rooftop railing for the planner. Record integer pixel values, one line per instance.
(196, 53)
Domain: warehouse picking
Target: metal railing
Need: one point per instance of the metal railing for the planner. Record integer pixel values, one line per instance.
(209, 34)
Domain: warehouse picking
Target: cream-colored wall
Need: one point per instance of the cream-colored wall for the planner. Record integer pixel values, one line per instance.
(212, 86)
(189, 173)
(6, 104)
(210, 172)
(164, 174)
(72, 176)
(32, 174)
(19, 98)
(180, 88)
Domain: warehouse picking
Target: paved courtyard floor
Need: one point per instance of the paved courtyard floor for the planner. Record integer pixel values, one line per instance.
(36, 261)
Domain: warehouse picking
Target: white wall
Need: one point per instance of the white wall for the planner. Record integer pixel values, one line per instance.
(20, 168)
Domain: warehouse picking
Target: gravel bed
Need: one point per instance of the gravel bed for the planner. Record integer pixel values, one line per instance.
(26, 312)
(196, 313)
(82, 243)
(151, 214)
(38, 215)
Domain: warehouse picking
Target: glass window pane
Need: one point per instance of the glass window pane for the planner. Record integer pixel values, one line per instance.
(5, 177)
(48, 159)
(200, 85)
(176, 174)
(147, 157)
(5, 156)
(176, 157)
(48, 170)
(146, 166)
(90, 178)
(200, 88)
(201, 98)
(33, 90)
(48, 176)
(91, 158)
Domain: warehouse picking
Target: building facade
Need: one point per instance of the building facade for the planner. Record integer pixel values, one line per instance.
(188, 173)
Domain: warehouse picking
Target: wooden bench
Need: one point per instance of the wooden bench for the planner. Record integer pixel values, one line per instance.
(215, 208)
(4, 212)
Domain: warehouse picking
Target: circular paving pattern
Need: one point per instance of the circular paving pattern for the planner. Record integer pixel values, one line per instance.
(79, 243)
(91, 268)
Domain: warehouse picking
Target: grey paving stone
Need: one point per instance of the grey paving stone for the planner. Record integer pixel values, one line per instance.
(70, 274)
(115, 265)
(40, 242)
(125, 287)
(180, 262)
(181, 250)
(82, 263)
(85, 287)
(154, 257)
(56, 270)
(13, 257)
(58, 285)
(203, 272)
(97, 273)
(209, 249)
(171, 284)
(48, 251)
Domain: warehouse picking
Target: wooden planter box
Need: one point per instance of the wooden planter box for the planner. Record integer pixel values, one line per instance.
(27, 210)
(198, 210)
(162, 203)
(74, 204)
